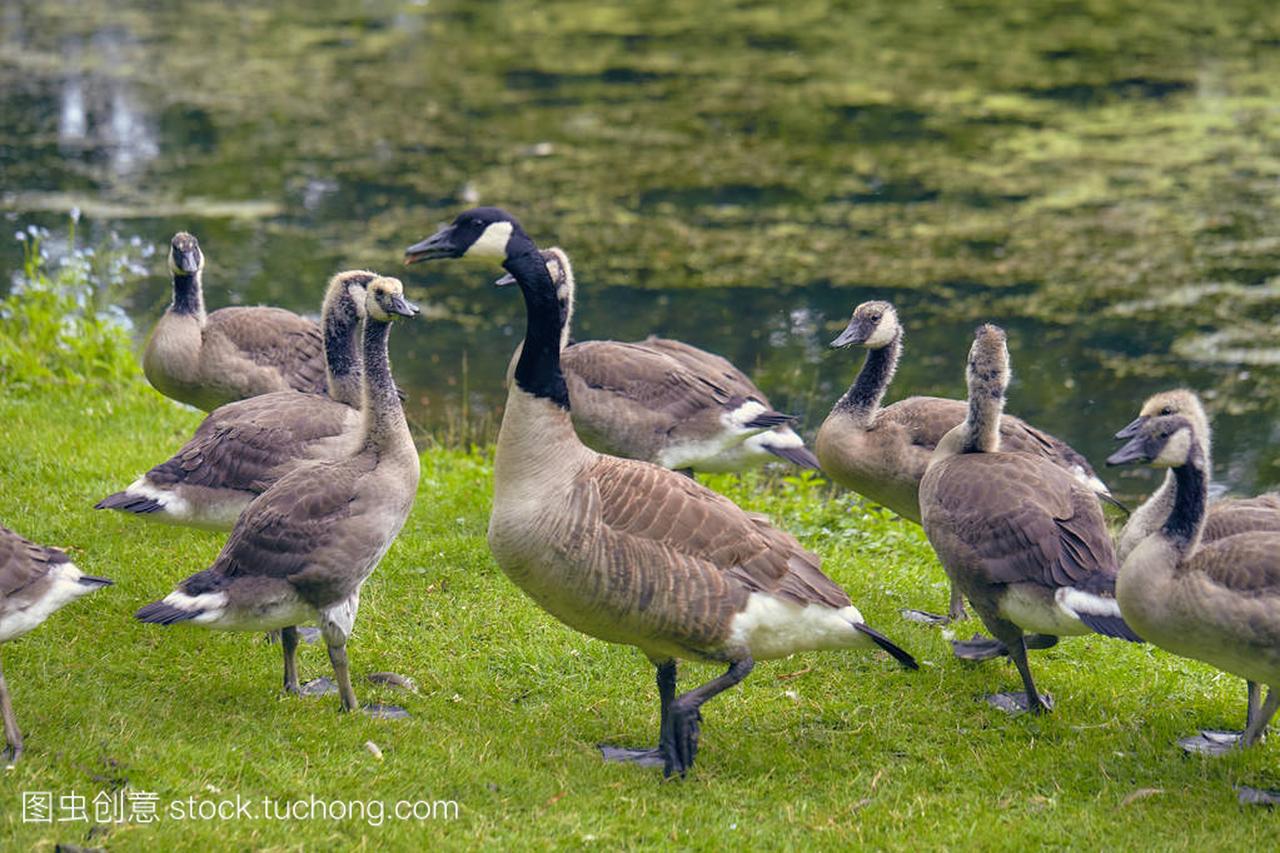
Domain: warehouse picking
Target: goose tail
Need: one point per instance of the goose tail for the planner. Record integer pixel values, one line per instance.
(900, 654)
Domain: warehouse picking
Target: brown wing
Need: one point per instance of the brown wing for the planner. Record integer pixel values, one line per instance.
(1024, 518)
(274, 337)
(299, 530)
(648, 380)
(1245, 563)
(242, 445)
(23, 562)
(657, 514)
(714, 367)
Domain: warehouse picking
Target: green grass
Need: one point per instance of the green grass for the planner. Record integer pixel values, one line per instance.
(820, 749)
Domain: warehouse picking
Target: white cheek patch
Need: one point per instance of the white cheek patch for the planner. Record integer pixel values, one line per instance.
(492, 242)
(883, 335)
(1176, 450)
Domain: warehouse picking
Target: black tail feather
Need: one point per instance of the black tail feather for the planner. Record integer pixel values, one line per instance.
(159, 613)
(1106, 498)
(1110, 626)
(769, 419)
(94, 580)
(126, 502)
(901, 655)
(800, 456)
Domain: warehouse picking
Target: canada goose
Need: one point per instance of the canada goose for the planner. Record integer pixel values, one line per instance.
(1022, 537)
(233, 353)
(303, 548)
(882, 453)
(34, 582)
(665, 401)
(1217, 602)
(627, 551)
(1225, 517)
(241, 448)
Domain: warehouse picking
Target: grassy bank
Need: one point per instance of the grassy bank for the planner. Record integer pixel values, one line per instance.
(817, 749)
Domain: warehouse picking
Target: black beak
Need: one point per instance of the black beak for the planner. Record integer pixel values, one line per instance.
(1133, 451)
(438, 245)
(852, 334)
(399, 305)
(506, 281)
(1132, 429)
(188, 261)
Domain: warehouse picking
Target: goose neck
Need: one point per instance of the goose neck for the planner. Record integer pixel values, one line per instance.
(342, 356)
(538, 370)
(862, 401)
(1186, 520)
(384, 422)
(188, 295)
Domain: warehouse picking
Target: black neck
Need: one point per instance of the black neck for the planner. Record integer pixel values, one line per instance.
(340, 339)
(986, 405)
(382, 412)
(538, 370)
(187, 295)
(1187, 516)
(862, 400)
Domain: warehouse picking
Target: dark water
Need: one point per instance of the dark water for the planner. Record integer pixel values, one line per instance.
(1101, 178)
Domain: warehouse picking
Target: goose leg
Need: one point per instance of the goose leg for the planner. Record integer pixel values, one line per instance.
(342, 675)
(666, 694)
(1259, 723)
(1029, 700)
(956, 612)
(289, 644)
(679, 741)
(12, 735)
(1217, 742)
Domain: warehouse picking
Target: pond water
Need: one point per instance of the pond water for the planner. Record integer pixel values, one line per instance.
(1102, 178)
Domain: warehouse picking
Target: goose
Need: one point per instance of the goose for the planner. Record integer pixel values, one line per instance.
(35, 580)
(302, 549)
(882, 453)
(1217, 602)
(207, 360)
(243, 447)
(627, 551)
(1021, 536)
(1225, 517)
(665, 401)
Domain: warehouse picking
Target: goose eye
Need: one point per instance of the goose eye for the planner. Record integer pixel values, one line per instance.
(1166, 411)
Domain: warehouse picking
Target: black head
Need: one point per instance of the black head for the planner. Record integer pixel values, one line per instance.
(873, 325)
(185, 257)
(1164, 441)
(482, 232)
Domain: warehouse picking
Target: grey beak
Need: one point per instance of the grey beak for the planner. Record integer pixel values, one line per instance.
(188, 261)
(438, 245)
(399, 305)
(1132, 429)
(1134, 451)
(852, 334)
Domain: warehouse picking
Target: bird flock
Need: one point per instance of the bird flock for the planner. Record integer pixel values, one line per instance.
(305, 458)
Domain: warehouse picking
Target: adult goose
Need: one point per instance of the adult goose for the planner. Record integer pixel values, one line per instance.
(882, 452)
(627, 551)
(1214, 600)
(665, 401)
(302, 549)
(35, 580)
(207, 360)
(241, 448)
(1021, 536)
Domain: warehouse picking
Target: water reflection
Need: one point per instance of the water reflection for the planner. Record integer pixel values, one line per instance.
(725, 173)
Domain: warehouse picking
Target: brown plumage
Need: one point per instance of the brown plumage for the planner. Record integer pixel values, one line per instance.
(882, 453)
(665, 401)
(241, 448)
(625, 550)
(1217, 602)
(303, 548)
(1021, 537)
(231, 354)
(35, 580)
